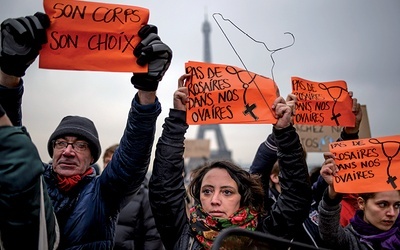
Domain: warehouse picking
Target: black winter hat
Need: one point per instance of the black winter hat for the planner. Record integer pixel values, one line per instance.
(82, 128)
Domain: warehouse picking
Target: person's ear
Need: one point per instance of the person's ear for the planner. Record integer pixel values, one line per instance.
(274, 178)
(361, 203)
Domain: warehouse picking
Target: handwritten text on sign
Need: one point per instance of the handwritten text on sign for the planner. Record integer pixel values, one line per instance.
(227, 94)
(322, 103)
(367, 165)
(92, 36)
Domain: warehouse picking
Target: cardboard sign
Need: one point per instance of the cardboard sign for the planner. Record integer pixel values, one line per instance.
(226, 94)
(197, 148)
(322, 103)
(92, 36)
(367, 165)
(317, 138)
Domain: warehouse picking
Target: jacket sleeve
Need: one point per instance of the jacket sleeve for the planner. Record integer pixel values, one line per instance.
(166, 187)
(318, 189)
(265, 157)
(20, 172)
(11, 100)
(329, 222)
(294, 202)
(127, 169)
(262, 164)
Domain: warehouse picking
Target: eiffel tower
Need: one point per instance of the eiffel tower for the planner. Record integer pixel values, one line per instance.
(221, 153)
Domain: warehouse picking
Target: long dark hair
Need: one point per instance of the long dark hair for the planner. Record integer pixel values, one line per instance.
(249, 186)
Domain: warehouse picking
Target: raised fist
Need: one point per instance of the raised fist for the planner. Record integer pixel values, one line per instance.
(152, 51)
(21, 40)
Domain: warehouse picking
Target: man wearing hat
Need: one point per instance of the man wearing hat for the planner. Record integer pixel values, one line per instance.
(85, 205)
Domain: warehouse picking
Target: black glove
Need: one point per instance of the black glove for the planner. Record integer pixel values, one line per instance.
(21, 40)
(156, 54)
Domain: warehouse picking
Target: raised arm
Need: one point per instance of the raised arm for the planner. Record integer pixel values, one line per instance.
(266, 156)
(21, 40)
(127, 169)
(166, 187)
(329, 208)
(293, 204)
(20, 184)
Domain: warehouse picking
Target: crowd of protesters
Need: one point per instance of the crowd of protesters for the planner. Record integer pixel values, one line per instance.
(67, 204)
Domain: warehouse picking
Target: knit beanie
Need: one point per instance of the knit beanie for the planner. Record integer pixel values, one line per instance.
(78, 126)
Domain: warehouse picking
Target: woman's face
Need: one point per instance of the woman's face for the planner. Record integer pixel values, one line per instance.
(219, 195)
(381, 210)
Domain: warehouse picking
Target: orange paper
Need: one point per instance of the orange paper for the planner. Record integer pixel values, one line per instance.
(226, 94)
(322, 103)
(367, 165)
(92, 36)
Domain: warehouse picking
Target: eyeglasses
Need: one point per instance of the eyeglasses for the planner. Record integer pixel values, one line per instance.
(78, 146)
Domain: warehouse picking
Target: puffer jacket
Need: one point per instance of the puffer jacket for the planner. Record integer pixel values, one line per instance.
(87, 214)
(136, 228)
(167, 190)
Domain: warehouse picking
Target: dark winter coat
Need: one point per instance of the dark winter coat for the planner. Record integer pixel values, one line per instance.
(136, 228)
(20, 177)
(87, 214)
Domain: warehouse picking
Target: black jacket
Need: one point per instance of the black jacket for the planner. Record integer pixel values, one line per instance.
(135, 226)
(167, 190)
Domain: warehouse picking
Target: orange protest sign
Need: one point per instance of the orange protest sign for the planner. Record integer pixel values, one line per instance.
(227, 94)
(92, 36)
(367, 165)
(322, 103)
(316, 138)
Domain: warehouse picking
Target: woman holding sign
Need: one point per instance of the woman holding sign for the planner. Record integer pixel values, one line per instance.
(225, 194)
(374, 226)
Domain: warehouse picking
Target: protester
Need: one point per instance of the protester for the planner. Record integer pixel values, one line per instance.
(135, 228)
(225, 194)
(86, 206)
(108, 153)
(263, 165)
(274, 186)
(374, 226)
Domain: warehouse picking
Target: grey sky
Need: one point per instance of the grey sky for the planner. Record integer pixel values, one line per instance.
(356, 41)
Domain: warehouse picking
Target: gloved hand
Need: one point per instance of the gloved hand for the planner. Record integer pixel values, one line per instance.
(21, 40)
(156, 54)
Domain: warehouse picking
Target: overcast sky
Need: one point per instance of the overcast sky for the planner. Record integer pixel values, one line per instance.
(356, 41)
